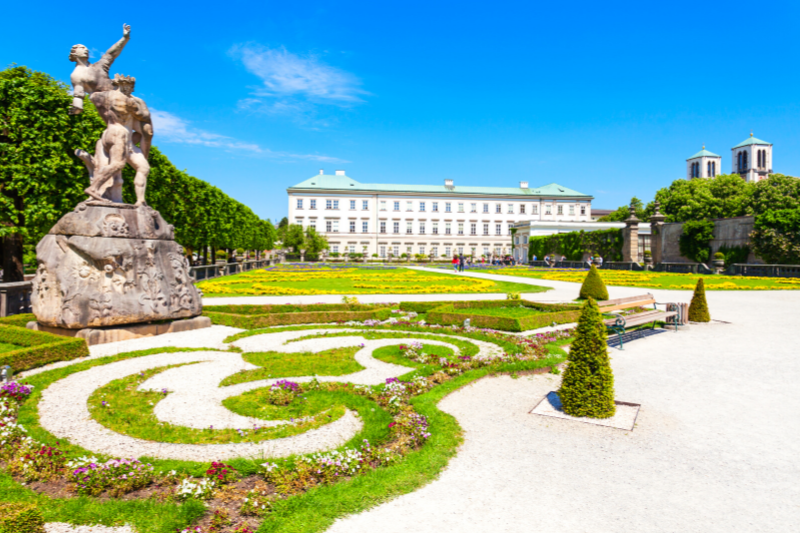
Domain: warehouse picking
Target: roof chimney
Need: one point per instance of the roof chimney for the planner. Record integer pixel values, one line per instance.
(523, 184)
(321, 172)
(340, 172)
(448, 183)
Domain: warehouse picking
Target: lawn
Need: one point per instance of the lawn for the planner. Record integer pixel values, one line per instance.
(323, 280)
(658, 280)
(508, 312)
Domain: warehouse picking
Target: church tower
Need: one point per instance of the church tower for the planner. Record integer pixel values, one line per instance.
(703, 164)
(752, 159)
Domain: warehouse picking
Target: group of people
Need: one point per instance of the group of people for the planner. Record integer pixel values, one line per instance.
(554, 260)
(461, 261)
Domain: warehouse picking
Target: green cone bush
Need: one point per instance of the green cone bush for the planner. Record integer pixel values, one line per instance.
(20, 518)
(588, 385)
(698, 309)
(593, 286)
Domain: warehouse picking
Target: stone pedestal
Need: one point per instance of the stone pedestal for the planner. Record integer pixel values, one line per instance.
(110, 265)
(123, 333)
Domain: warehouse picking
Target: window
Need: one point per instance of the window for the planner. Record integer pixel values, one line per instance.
(713, 172)
(422, 207)
(560, 209)
(352, 226)
(352, 204)
(313, 204)
(583, 210)
(460, 208)
(298, 221)
(365, 205)
(521, 209)
(335, 249)
(435, 251)
(572, 210)
(461, 228)
(336, 226)
(329, 226)
(548, 209)
(447, 251)
(534, 209)
(383, 205)
(510, 208)
(409, 227)
(486, 251)
(447, 228)
(485, 208)
(435, 228)
(473, 208)
(336, 204)
(498, 208)
(447, 207)
(460, 250)
(383, 226)
(382, 251)
(421, 228)
(299, 203)
(364, 226)
(473, 229)
(328, 204)
(352, 248)
(396, 227)
(312, 224)
(498, 229)
(421, 250)
(397, 206)
(435, 207)
(486, 229)
(409, 206)
(396, 250)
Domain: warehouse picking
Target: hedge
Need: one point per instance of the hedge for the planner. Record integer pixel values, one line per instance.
(38, 348)
(18, 320)
(265, 319)
(456, 312)
(606, 243)
(20, 518)
(287, 308)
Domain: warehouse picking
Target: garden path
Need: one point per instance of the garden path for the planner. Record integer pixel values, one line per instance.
(714, 449)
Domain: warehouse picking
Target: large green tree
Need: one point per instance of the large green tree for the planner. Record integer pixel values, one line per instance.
(776, 206)
(724, 196)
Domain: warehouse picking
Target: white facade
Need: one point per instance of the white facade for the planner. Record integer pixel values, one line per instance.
(443, 220)
(752, 159)
(703, 164)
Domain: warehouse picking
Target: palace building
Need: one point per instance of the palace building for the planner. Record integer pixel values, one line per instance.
(751, 159)
(442, 220)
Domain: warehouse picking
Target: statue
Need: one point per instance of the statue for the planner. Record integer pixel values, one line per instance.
(127, 119)
(108, 264)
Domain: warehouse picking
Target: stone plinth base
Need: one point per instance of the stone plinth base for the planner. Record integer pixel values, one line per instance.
(123, 333)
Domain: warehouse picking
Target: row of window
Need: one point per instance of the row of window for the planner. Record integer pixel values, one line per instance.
(711, 170)
(448, 207)
(332, 226)
(423, 250)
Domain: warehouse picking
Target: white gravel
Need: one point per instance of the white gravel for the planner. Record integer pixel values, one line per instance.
(62, 527)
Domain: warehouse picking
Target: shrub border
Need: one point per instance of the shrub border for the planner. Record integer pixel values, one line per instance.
(456, 312)
(277, 315)
(38, 348)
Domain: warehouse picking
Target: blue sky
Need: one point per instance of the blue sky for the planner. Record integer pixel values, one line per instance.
(606, 98)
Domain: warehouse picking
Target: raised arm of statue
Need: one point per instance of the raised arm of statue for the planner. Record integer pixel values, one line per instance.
(115, 50)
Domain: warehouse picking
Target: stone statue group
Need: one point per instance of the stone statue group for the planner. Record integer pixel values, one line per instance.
(129, 129)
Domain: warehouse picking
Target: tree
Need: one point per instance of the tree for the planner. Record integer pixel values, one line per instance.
(724, 196)
(698, 308)
(315, 242)
(623, 212)
(776, 206)
(588, 385)
(695, 239)
(593, 286)
(294, 237)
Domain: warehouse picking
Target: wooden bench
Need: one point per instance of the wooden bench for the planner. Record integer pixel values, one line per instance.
(619, 322)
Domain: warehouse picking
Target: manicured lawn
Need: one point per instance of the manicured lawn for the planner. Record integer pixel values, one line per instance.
(392, 354)
(288, 281)
(509, 312)
(333, 362)
(657, 280)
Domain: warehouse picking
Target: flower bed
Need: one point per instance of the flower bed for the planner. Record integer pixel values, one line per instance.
(37, 348)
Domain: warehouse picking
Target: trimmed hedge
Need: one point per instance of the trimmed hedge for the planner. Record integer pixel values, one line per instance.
(20, 518)
(262, 316)
(593, 286)
(38, 348)
(422, 307)
(456, 312)
(698, 308)
(18, 320)
(573, 245)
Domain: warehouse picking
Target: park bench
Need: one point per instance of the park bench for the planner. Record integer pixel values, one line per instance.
(619, 322)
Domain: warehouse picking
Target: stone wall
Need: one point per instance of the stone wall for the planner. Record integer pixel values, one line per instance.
(727, 231)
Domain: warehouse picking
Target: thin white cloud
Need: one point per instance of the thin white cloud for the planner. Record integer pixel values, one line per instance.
(287, 75)
(172, 128)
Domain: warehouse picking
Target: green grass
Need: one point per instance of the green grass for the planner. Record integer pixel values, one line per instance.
(6, 347)
(353, 281)
(508, 312)
(333, 362)
(392, 354)
(465, 347)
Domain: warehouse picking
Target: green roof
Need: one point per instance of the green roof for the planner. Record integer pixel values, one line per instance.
(751, 141)
(345, 183)
(703, 153)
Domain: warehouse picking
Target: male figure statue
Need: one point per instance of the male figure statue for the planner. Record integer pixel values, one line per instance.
(87, 77)
(128, 120)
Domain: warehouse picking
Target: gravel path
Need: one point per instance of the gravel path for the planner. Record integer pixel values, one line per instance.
(61, 527)
(714, 450)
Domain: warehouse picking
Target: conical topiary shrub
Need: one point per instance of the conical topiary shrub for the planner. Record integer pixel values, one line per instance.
(698, 309)
(588, 385)
(593, 286)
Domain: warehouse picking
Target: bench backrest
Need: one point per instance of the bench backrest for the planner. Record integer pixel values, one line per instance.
(626, 303)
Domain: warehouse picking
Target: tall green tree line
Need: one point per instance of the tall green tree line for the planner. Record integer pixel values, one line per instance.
(41, 179)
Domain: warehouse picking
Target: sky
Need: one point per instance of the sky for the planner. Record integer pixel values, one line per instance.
(607, 98)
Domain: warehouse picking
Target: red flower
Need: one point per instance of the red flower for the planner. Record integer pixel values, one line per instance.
(391, 425)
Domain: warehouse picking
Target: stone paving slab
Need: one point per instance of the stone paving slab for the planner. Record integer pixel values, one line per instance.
(624, 418)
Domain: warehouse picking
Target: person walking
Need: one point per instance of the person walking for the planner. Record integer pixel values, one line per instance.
(461, 263)
(455, 263)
